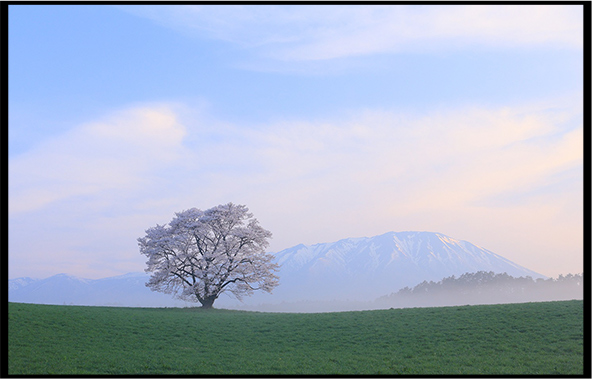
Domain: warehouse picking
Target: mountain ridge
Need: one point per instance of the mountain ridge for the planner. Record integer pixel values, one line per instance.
(405, 243)
(365, 266)
(350, 269)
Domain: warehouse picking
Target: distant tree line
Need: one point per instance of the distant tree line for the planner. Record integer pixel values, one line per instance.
(487, 288)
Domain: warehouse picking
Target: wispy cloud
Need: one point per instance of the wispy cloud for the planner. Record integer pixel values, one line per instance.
(322, 180)
(322, 32)
(485, 157)
(111, 154)
(308, 181)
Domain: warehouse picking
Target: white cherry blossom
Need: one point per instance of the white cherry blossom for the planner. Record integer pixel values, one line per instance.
(201, 254)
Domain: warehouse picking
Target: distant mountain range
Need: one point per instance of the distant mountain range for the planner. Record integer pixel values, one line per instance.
(123, 290)
(352, 269)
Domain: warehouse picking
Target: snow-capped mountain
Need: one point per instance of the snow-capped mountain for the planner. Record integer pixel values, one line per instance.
(17, 283)
(364, 268)
(352, 269)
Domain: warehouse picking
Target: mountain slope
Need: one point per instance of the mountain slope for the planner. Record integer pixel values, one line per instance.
(352, 269)
(365, 268)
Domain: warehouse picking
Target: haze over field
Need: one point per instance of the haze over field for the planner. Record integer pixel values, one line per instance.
(328, 122)
(391, 270)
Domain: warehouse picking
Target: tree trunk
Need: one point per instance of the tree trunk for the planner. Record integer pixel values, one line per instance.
(208, 302)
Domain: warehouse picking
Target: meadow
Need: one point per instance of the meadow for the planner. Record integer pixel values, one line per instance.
(509, 339)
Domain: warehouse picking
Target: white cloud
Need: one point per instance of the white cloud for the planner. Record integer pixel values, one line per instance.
(111, 154)
(321, 181)
(98, 187)
(321, 32)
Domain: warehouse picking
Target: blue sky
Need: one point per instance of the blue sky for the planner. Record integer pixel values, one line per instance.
(328, 122)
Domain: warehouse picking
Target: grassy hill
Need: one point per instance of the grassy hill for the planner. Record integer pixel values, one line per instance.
(531, 338)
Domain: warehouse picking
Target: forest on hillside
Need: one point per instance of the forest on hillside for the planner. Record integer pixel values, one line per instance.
(486, 288)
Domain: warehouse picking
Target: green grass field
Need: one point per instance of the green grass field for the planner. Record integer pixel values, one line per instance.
(531, 338)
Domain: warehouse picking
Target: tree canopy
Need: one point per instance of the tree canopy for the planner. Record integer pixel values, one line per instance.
(201, 254)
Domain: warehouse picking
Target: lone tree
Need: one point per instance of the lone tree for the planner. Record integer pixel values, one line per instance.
(201, 254)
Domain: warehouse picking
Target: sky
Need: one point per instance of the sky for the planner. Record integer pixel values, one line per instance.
(327, 121)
